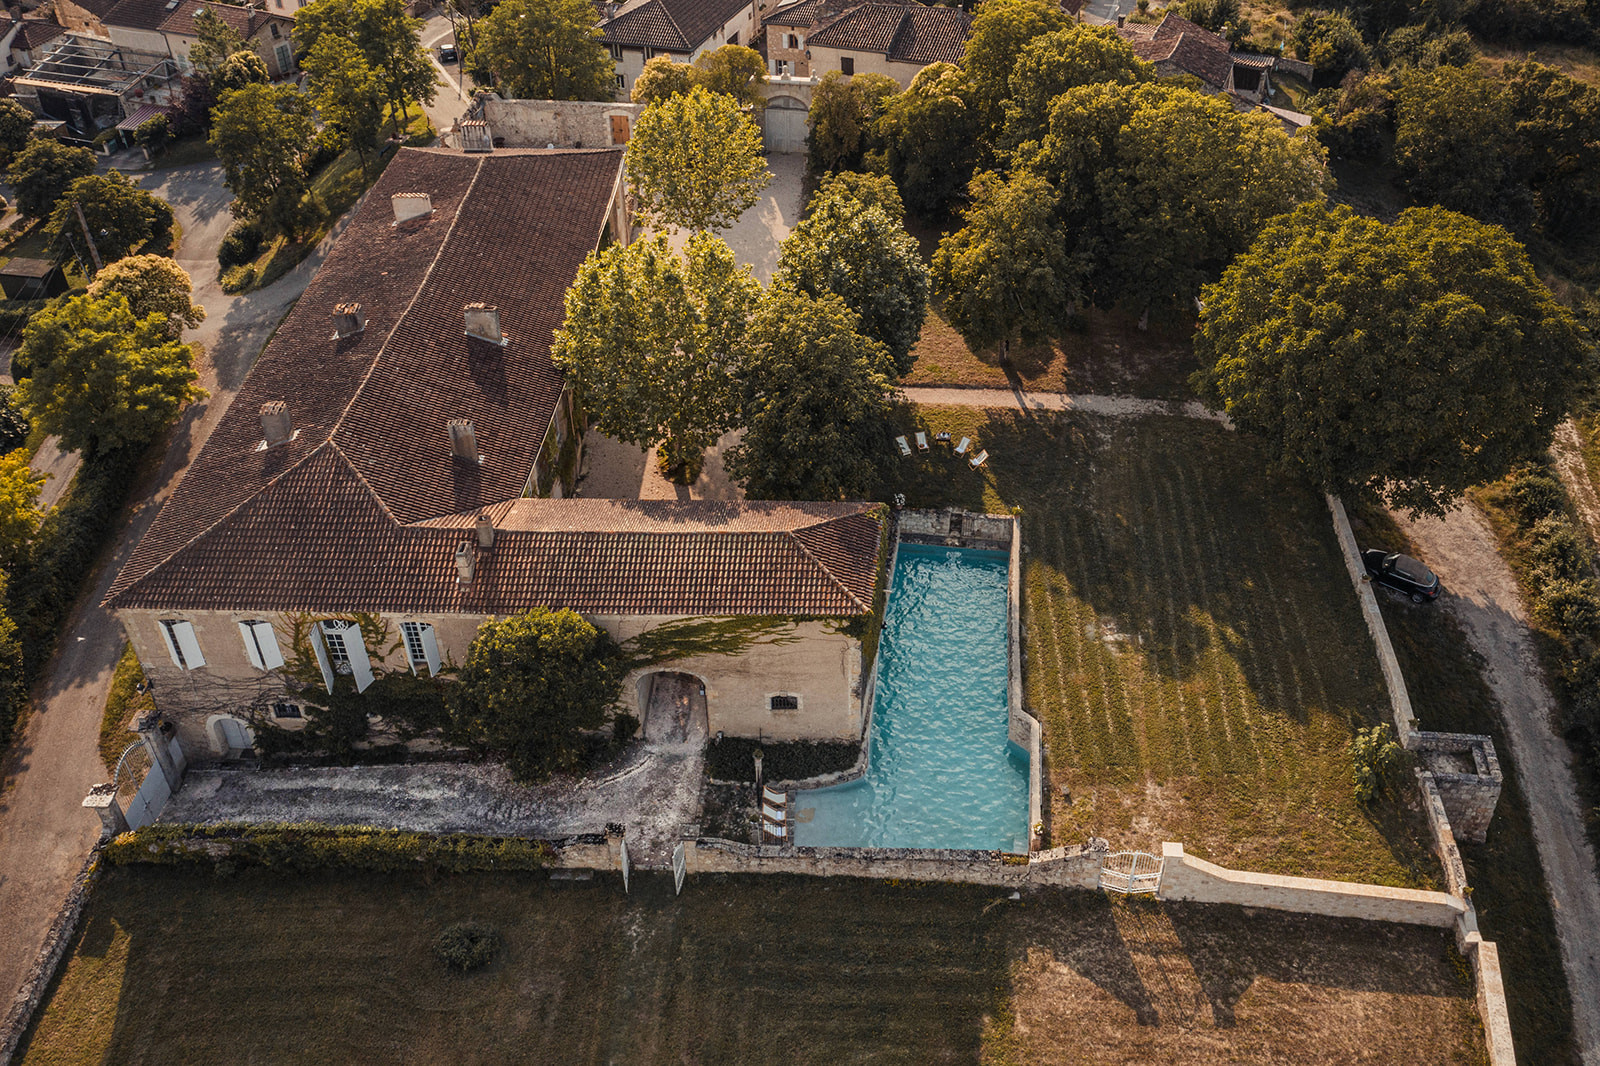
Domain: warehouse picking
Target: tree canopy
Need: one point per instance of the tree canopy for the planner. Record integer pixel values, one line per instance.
(732, 70)
(261, 134)
(215, 41)
(931, 133)
(531, 685)
(346, 92)
(662, 77)
(1007, 275)
(1001, 29)
(1452, 137)
(654, 342)
(1161, 187)
(1406, 362)
(389, 40)
(19, 507)
(869, 190)
(1330, 42)
(16, 126)
(103, 379)
(1051, 64)
(856, 251)
(816, 402)
(695, 162)
(546, 50)
(41, 172)
(151, 283)
(119, 214)
(843, 121)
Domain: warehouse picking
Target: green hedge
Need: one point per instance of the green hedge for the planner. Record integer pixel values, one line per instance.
(733, 759)
(304, 847)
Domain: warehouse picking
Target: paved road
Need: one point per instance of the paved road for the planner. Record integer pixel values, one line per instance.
(44, 832)
(57, 467)
(1115, 406)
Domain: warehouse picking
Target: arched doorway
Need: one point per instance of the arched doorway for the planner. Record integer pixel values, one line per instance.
(672, 708)
(230, 737)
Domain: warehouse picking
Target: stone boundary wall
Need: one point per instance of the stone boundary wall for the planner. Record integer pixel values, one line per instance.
(563, 123)
(51, 955)
(955, 528)
(1075, 867)
(1023, 729)
(1185, 877)
(1405, 719)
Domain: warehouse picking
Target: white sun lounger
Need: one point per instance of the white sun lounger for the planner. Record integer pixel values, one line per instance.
(774, 797)
(771, 814)
(922, 442)
(961, 449)
(905, 448)
(978, 460)
(771, 830)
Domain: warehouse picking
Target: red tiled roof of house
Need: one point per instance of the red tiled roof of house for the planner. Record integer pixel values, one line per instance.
(1183, 44)
(669, 25)
(35, 32)
(180, 19)
(508, 229)
(807, 13)
(905, 32)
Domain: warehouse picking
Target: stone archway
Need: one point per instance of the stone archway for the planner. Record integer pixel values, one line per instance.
(672, 708)
(230, 737)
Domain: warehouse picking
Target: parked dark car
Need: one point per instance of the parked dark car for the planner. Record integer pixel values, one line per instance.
(447, 53)
(1402, 573)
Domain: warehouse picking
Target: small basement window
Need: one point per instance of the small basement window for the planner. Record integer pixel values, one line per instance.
(286, 710)
(784, 703)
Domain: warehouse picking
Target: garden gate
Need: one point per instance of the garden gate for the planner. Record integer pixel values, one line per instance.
(1130, 873)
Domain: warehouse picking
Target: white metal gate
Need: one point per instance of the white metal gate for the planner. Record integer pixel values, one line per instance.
(680, 867)
(784, 125)
(148, 802)
(1130, 873)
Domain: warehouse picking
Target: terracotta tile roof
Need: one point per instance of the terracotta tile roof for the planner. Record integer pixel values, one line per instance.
(180, 20)
(35, 32)
(507, 228)
(866, 28)
(806, 13)
(1184, 45)
(905, 33)
(670, 25)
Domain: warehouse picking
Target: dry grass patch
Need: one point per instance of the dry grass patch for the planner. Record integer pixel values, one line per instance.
(176, 968)
(1193, 646)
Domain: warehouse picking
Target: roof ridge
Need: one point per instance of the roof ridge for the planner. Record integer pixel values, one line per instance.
(666, 9)
(794, 535)
(422, 283)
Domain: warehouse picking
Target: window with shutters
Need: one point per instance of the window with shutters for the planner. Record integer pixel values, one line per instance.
(336, 635)
(170, 629)
(847, 65)
(182, 644)
(414, 649)
(260, 644)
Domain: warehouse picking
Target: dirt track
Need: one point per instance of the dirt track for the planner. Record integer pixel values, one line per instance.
(1483, 595)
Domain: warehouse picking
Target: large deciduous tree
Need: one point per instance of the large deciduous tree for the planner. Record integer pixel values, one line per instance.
(118, 214)
(389, 39)
(654, 342)
(103, 379)
(1055, 62)
(733, 70)
(151, 283)
(547, 50)
(531, 685)
(19, 508)
(695, 162)
(1007, 275)
(1161, 187)
(347, 93)
(1556, 122)
(262, 133)
(1406, 361)
(931, 133)
(41, 172)
(843, 121)
(816, 399)
(856, 251)
(16, 126)
(1452, 140)
(1000, 31)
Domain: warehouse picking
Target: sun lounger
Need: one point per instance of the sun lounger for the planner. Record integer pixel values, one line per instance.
(905, 448)
(942, 438)
(779, 832)
(771, 814)
(922, 442)
(978, 460)
(961, 449)
(774, 797)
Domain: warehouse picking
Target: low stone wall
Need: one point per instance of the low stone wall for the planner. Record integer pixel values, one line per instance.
(1076, 867)
(1023, 729)
(1470, 796)
(1485, 958)
(563, 123)
(51, 955)
(955, 528)
(1188, 878)
(1405, 719)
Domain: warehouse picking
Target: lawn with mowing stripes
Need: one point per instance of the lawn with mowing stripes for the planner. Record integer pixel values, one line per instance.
(1193, 645)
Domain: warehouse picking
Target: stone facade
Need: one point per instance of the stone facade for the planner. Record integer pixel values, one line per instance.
(562, 123)
(1466, 772)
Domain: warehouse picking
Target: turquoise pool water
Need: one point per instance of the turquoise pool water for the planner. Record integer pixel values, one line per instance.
(943, 772)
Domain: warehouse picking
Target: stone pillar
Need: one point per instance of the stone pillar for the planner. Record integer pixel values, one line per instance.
(102, 799)
(148, 726)
(615, 832)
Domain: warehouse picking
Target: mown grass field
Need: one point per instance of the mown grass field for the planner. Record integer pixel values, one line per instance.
(178, 968)
(1193, 646)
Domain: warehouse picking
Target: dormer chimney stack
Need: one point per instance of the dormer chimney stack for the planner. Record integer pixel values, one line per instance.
(348, 320)
(466, 565)
(276, 426)
(410, 205)
(483, 322)
(485, 532)
(464, 440)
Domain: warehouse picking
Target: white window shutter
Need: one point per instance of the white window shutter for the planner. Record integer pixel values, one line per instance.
(247, 630)
(267, 641)
(360, 664)
(322, 656)
(183, 633)
(430, 648)
(172, 649)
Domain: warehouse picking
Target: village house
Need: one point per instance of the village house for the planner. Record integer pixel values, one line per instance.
(681, 30)
(811, 37)
(168, 26)
(397, 467)
(1178, 46)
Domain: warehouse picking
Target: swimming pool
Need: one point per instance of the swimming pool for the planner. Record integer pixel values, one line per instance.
(943, 772)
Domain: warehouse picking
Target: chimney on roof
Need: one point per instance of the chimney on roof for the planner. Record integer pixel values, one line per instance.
(410, 205)
(276, 426)
(464, 440)
(485, 532)
(466, 565)
(348, 320)
(483, 322)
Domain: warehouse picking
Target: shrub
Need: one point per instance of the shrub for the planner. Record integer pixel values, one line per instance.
(320, 847)
(1377, 760)
(1535, 495)
(733, 759)
(1559, 552)
(13, 423)
(238, 278)
(240, 244)
(14, 315)
(1571, 608)
(467, 946)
